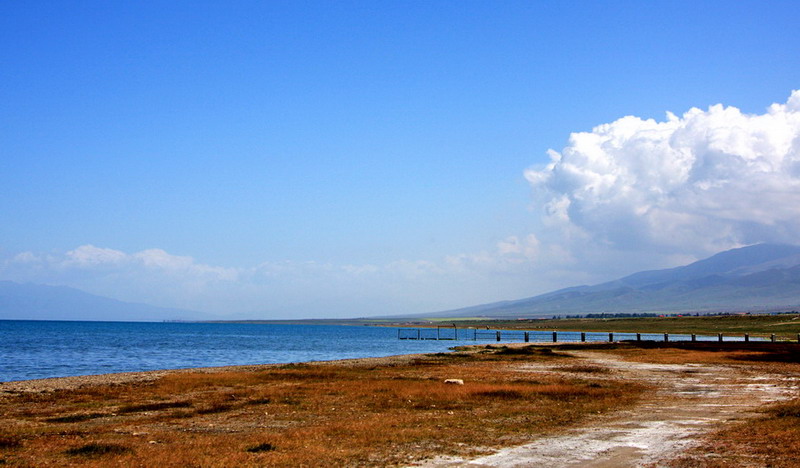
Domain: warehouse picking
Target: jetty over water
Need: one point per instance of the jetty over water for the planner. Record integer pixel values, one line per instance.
(540, 336)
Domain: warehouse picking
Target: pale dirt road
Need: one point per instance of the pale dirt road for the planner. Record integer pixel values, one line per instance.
(690, 400)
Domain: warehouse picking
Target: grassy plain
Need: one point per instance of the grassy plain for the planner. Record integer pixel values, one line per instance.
(370, 413)
(786, 326)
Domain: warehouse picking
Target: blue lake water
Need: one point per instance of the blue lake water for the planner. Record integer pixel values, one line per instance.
(42, 349)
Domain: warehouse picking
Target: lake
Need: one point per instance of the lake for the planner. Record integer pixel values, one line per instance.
(42, 349)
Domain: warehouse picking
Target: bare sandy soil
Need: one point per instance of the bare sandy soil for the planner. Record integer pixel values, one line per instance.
(690, 400)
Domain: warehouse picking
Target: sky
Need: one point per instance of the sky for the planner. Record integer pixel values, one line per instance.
(305, 159)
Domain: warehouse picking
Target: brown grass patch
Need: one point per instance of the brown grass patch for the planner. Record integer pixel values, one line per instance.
(97, 450)
(265, 447)
(9, 442)
(71, 418)
(585, 369)
(708, 352)
(306, 415)
(153, 406)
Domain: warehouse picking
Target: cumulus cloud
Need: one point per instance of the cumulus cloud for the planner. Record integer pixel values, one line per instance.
(89, 255)
(699, 183)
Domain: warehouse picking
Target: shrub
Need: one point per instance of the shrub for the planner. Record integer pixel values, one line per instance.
(503, 394)
(261, 448)
(154, 406)
(75, 417)
(96, 450)
(7, 442)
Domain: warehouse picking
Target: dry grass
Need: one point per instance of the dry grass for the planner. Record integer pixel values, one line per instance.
(753, 354)
(306, 415)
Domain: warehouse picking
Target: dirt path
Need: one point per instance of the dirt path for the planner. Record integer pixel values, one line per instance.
(690, 400)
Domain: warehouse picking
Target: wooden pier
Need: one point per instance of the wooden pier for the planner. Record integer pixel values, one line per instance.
(539, 336)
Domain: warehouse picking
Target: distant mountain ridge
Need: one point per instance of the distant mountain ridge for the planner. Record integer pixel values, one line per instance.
(40, 302)
(758, 277)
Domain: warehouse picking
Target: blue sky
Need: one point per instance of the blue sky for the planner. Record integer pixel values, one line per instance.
(368, 155)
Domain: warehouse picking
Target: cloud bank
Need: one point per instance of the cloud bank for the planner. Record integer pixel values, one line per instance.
(695, 184)
(284, 289)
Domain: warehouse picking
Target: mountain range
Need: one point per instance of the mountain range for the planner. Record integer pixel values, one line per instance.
(40, 302)
(756, 278)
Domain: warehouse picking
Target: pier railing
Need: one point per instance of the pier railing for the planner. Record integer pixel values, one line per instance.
(539, 336)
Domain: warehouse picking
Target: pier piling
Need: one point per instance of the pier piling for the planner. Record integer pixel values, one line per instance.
(528, 336)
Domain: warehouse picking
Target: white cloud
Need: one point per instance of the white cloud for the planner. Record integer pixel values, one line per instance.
(517, 249)
(89, 255)
(699, 183)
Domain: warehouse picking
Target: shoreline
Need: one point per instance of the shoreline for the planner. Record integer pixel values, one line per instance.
(117, 378)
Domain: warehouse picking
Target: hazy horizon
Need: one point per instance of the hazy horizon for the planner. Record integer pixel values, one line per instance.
(288, 160)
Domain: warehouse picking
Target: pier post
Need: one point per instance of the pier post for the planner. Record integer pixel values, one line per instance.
(666, 337)
(638, 337)
(719, 336)
(498, 335)
(555, 337)
(527, 337)
(583, 337)
(772, 338)
(746, 337)
(694, 337)
(418, 331)
(611, 337)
